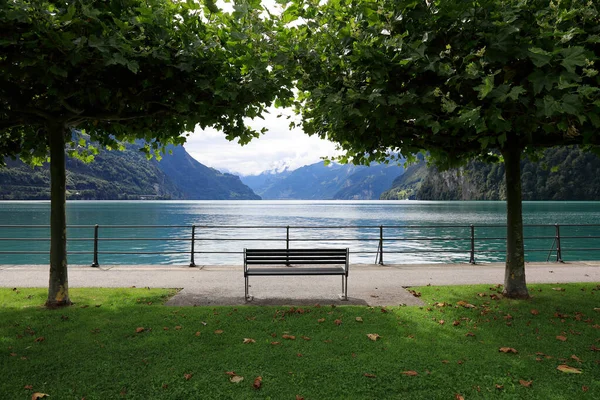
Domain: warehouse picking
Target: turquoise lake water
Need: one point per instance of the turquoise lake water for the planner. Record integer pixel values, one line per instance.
(414, 231)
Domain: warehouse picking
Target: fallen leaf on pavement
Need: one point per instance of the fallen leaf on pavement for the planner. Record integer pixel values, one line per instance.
(236, 379)
(568, 370)
(373, 336)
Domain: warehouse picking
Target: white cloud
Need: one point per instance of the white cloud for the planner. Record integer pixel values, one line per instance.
(278, 148)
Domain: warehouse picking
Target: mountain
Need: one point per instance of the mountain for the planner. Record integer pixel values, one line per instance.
(320, 182)
(199, 182)
(125, 175)
(562, 173)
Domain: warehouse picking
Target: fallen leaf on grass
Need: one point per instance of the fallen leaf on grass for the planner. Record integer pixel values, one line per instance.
(507, 350)
(13, 354)
(373, 336)
(410, 373)
(218, 331)
(188, 376)
(321, 320)
(298, 397)
(338, 322)
(299, 355)
(469, 334)
(525, 383)
(561, 338)
(441, 322)
(38, 395)
(230, 373)
(139, 330)
(236, 379)
(585, 388)
(305, 338)
(574, 357)
(384, 310)
(289, 337)
(203, 323)
(40, 339)
(458, 397)
(249, 340)
(359, 319)
(558, 289)
(257, 382)
(568, 370)
(445, 361)
(275, 343)
(456, 323)
(534, 312)
(465, 304)
(178, 328)
(499, 387)
(198, 333)
(370, 375)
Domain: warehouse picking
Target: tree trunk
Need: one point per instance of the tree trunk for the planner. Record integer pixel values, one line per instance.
(514, 278)
(58, 288)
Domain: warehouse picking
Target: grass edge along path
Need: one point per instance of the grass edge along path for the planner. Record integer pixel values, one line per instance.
(466, 342)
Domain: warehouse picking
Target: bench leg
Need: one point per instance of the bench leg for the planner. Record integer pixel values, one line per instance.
(344, 295)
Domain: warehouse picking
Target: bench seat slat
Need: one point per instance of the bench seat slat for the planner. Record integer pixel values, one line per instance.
(269, 271)
(303, 262)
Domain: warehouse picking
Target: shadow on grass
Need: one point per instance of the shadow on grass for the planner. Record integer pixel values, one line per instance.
(122, 343)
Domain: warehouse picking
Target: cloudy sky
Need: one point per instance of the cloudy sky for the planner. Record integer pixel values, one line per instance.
(276, 149)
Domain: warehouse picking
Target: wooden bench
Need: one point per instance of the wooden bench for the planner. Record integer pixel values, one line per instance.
(271, 262)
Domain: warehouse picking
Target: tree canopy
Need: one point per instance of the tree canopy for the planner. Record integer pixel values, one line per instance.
(457, 79)
(121, 70)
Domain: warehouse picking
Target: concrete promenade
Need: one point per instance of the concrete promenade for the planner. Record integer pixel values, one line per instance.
(368, 284)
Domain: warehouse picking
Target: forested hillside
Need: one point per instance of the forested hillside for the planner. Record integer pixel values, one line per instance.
(564, 173)
(125, 175)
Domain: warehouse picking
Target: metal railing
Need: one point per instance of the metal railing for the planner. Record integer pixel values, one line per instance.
(458, 243)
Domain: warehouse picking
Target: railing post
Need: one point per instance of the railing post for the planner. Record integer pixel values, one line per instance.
(380, 244)
(558, 248)
(192, 263)
(287, 244)
(472, 258)
(95, 264)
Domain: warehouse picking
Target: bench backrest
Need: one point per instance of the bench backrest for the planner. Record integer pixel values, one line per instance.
(295, 256)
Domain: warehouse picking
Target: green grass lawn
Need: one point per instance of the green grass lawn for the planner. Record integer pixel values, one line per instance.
(450, 347)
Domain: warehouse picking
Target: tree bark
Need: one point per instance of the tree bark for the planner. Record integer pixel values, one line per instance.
(58, 288)
(514, 278)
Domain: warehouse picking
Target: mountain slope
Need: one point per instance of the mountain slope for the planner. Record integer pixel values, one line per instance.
(199, 182)
(125, 175)
(563, 173)
(320, 182)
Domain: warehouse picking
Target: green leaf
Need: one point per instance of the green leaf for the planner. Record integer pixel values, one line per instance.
(486, 87)
(539, 57)
(573, 57)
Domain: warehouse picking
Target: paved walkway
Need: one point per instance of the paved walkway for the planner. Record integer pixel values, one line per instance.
(367, 284)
